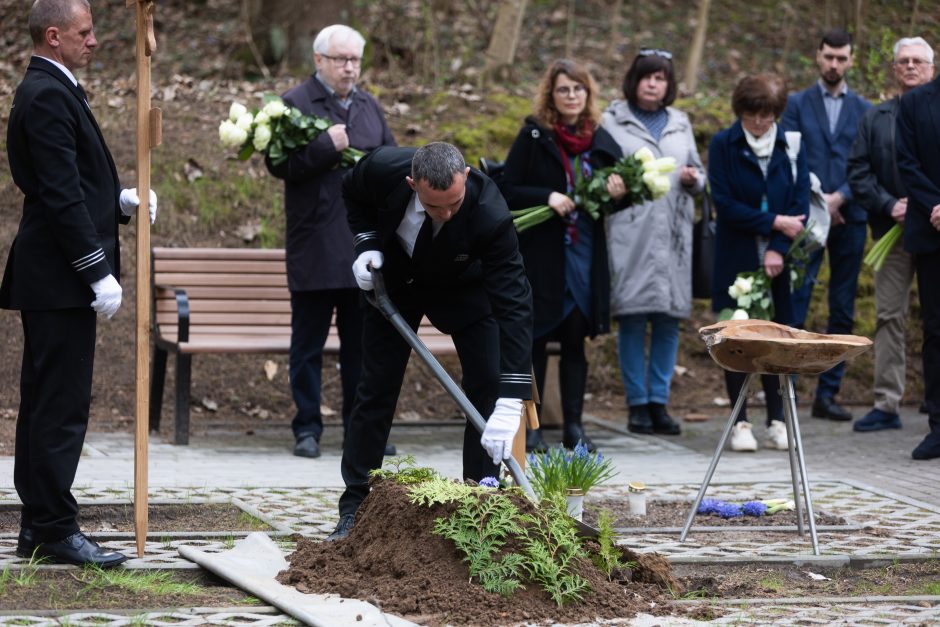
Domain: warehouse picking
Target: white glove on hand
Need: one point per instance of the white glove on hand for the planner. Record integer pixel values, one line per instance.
(107, 296)
(501, 428)
(361, 266)
(129, 202)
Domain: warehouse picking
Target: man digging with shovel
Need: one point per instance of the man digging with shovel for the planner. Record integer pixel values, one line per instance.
(443, 237)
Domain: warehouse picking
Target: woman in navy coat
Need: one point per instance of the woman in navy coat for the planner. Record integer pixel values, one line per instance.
(565, 257)
(762, 203)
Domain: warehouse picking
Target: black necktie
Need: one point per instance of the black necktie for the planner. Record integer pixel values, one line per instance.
(423, 242)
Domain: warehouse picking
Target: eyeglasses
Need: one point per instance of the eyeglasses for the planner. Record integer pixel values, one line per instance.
(916, 61)
(655, 52)
(570, 90)
(342, 61)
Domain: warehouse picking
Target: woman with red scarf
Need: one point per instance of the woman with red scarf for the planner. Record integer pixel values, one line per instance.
(566, 256)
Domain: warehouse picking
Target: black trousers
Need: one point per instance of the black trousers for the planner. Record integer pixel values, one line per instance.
(311, 314)
(55, 395)
(385, 357)
(928, 286)
(572, 367)
(734, 381)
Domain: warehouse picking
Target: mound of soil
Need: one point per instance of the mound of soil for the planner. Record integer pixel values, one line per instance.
(392, 559)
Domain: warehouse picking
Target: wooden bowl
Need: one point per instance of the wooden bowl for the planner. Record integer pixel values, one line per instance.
(765, 347)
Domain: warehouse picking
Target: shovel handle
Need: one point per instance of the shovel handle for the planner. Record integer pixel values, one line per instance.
(380, 300)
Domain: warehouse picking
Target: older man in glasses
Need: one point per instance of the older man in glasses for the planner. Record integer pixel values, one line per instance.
(876, 184)
(319, 242)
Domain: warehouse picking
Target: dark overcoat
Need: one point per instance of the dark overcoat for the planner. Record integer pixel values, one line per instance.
(318, 243)
(918, 127)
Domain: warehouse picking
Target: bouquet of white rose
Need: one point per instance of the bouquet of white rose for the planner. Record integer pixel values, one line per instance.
(644, 176)
(275, 130)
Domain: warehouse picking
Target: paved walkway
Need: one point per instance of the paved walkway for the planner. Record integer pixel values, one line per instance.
(869, 479)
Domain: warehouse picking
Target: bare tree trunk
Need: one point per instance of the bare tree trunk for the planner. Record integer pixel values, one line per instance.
(614, 37)
(827, 14)
(698, 47)
(914, 16)
(283, 30)
(505, 38)
(860, 6)
(569, 30)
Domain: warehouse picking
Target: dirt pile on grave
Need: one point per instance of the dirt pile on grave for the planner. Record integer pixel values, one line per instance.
(392, 559)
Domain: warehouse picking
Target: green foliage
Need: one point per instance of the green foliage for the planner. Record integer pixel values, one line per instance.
(554, 472)
(439, 490)
(608, 558)
(150, 582)
(875, 64)
(403, 470)
(490, 131)
(552, 551)
(479, 528)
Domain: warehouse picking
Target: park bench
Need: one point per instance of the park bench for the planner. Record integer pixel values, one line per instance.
(225, 300)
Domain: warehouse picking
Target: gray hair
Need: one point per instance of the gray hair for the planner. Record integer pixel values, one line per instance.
(45, 14)
(913, 41)
(321, 45)
(437, 163)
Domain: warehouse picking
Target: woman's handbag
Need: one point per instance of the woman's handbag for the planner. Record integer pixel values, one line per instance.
(703, 250)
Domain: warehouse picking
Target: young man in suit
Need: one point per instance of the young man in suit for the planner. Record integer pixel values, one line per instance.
(918, 154)
(443, 237)
(61, 272)
(876, 184)
(318, 241)
(827, 115)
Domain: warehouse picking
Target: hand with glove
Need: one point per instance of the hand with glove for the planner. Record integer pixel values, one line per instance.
(107, 296)
(501, 428)
(130, 201)
(362, 268)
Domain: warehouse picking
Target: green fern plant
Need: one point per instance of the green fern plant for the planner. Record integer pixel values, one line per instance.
(403, 470)
(479, 528)
(608, 558)
(552, 551)
(439, 490)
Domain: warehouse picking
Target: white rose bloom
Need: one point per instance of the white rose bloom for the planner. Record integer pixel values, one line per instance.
(644, 154)
(649, 179)
(663, 165)
(230, 135)
(739, 314)
(245, 121)
(262, 137)
(236, 111)
(660, 185)
(262, 118)
(275, 109)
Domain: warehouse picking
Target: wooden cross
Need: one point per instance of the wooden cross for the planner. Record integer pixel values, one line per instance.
(149, 135)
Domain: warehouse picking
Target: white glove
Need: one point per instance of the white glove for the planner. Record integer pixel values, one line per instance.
(360, 268)
(107, 296)
(501, 428)
(129, 202)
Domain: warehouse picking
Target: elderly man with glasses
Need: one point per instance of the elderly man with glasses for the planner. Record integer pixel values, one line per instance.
(876, 185)
(319, 243)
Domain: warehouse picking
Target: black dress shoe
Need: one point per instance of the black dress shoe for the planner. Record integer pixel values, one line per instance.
(25, 543)
(307, 446)
(78, 549)
(827, 407)
(534, 442)
(663, 423)
(929, 448)
(573, 435)
(639, 420)
(390, 450)
(343, 527)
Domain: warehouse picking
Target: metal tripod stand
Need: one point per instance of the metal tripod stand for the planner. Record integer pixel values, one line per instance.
(794, 446)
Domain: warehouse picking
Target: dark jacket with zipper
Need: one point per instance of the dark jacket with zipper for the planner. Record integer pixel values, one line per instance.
(534, 170)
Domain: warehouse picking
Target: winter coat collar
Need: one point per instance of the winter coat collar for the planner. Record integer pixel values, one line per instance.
(621, 113)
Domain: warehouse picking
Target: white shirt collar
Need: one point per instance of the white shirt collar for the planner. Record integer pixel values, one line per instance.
(64, 69)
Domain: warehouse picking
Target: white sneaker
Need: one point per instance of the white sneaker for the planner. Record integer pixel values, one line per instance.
(741, 437)
(777, 436)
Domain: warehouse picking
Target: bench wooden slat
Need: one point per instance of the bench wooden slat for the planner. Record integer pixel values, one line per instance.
(219, 266)
(161, 252)
(223, 293)
(182, 279)
(205, 305)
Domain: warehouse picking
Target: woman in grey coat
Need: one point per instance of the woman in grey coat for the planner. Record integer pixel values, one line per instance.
(650, 244)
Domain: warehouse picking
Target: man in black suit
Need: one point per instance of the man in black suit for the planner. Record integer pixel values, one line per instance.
(444, 239)
(918, 153)
(61, 272)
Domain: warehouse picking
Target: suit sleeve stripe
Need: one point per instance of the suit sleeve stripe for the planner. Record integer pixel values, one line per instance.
(88, 260)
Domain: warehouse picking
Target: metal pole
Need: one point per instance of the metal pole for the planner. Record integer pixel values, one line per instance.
(791, 399)
(791, 450)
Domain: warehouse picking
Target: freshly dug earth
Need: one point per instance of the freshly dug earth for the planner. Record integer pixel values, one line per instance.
(786, 580)
(116, 589)
(392, 559)
(170, 517)
(675, 513)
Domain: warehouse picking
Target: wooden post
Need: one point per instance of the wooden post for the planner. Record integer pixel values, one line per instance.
(148, 136)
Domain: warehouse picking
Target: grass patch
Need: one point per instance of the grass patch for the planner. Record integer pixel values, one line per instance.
(771, 583)
(160, 583)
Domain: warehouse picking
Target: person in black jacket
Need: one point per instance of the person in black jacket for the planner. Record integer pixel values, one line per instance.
(62, 270)
(565, 257)
(873, 177)
(443, 238)
(318, 242)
